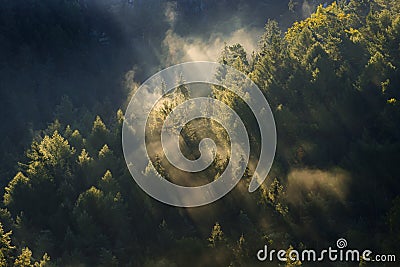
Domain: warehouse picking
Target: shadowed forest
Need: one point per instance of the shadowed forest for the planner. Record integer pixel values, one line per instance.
(329, 70)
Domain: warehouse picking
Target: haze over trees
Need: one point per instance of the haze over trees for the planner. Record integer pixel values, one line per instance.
(332, 80)
(65, 51)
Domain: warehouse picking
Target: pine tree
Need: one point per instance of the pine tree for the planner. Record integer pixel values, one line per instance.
(217, 236)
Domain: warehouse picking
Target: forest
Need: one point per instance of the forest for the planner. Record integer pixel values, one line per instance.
(68, 68)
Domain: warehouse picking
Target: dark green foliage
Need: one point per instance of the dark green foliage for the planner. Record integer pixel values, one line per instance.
(332, 81)
(9, 254)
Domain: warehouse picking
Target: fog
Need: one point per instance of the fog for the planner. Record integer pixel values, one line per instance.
(96, 52)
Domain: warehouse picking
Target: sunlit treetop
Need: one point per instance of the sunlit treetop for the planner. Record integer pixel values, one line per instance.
(325, 24)
(51, 150)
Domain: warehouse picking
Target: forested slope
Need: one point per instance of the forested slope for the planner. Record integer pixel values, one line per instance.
(332, 81)
(82, 50)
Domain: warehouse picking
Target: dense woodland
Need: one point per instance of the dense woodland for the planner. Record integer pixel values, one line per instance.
(67, 51)
(68, 69)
